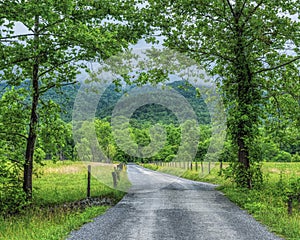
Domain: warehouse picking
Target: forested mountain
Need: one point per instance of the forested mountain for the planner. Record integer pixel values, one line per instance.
(151, 113)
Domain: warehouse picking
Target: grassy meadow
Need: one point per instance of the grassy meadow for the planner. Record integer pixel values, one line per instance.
(55, 186)
(267, 204)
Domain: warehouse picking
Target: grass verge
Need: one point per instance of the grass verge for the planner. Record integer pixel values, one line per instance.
(46, 224)
(55, 186)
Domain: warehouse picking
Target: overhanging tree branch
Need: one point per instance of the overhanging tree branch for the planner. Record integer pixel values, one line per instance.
(203, 52)
(17, 36)
(14, 133)
(56, 66)
(52, 85)
(252, 12)
(231, 8)
(277, 67)
(243, 7)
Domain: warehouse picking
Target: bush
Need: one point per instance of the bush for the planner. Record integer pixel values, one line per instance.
(283, 157)
(12, 200)
(12, 196)
(296, 157)
(238, 174)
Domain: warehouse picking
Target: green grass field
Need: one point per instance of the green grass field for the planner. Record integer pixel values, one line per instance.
(54, 186)
(65, 182)
(268, 204)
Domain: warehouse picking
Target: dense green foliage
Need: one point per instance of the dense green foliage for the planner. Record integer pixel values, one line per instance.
(271, 151)
(45, 44)
(252, 47)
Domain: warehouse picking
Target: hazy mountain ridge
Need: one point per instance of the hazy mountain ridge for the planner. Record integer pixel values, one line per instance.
(151, 113)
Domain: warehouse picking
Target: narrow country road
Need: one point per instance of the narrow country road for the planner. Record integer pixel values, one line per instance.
(163, 207)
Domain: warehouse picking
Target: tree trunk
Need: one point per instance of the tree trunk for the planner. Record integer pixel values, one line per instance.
(243, 156)
(28, 166)
(245, 92)
(221, 168)
(245, 98)
(32, 135)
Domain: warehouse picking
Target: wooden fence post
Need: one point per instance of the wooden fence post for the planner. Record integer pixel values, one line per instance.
(114, 176)
(88, 192)
(117, 173)
(290, 205)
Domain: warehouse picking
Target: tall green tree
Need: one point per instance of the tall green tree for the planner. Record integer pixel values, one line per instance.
(283, 109)
(244, 44)
(53, 47)
(105, 138)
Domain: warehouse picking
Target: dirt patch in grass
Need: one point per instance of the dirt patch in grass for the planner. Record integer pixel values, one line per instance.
(274, 170)
(75, 168)
(64, 169)
(279, 171)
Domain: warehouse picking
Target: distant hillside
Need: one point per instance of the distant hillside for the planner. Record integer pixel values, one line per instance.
(151, 113)
(156, 113)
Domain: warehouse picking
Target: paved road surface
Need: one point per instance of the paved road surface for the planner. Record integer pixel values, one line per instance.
(163, 207)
